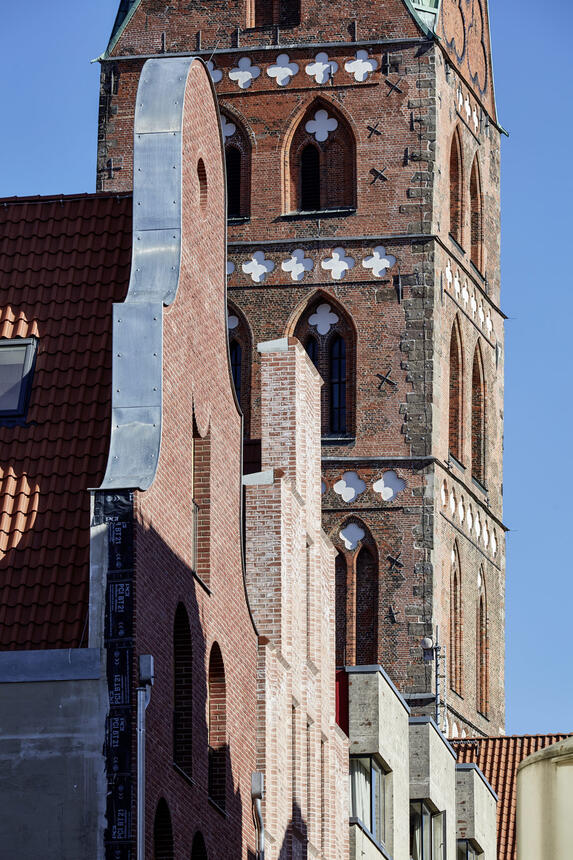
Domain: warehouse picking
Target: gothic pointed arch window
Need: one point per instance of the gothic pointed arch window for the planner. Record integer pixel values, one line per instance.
(329, 337)
(183, 691)
(162, 833)
(199, 849)
(482, 648)
(357, 595)
(238, 167)
(217, 709)
(456, 187)
(321, 162)
(456, 632)
(478, 417)
(240, 351)
(476, 216)
(455, 411)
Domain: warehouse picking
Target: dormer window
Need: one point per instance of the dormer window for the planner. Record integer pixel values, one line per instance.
(17, 357)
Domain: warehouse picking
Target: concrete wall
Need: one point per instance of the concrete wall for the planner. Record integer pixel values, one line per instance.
(52, 770)
(476, 805)
(544, 792)
(378, 725)
(433, 772)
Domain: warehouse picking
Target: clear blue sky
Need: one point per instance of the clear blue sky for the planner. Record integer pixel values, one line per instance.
(49, 105)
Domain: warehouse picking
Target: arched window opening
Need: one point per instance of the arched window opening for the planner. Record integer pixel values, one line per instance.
(455, 661)
(233, 164)
(238, 167)
(341, 592)
(337, 385)
(455, 392)
(309, 179)
(183, 691)
(321, 162)
(199, 849)
(162, 833)
(240, 352)
(217, 728)
(311, 347)
(475, 216)
(236, 362)
(289, 13)
(329, 338)
(285, 13)
(482, 656)
(264, 10)
(366, 608)
(478, 418)
(456, 187)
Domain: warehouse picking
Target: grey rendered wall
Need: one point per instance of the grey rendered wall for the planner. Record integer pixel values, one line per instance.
(433, 773)
(476, 809)
(378, 724)
(52, 770)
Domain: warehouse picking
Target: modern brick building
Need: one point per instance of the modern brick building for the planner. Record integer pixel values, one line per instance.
(362, 147)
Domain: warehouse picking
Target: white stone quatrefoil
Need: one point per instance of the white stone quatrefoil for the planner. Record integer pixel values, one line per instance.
(460, 99)
(475, 119)
(362, 66)
(350, 486)
(322, 69)
(232, 321)
(230, 267)
(297, 264)
(227, 127)
(258, 267)
(379, 262)
(216, 74)
(244, 73)
(488, 324)
(282, 70)
(321, 125)
(494, 543)
(473, 304)
(457, 284)
(351, 535)
(338, 264)
(465, 294)
(389, 485)
(323, 318)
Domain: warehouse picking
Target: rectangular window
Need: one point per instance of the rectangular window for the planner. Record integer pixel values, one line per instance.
(427, 833)
(16, 365)
(368, 796)
(466, 851)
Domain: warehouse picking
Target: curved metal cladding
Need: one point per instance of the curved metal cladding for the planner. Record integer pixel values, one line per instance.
(155, 268)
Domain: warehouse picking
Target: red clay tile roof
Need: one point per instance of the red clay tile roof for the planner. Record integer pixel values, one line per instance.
(63, 261)
(498, 758)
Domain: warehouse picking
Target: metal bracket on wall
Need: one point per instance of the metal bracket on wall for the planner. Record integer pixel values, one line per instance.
(378, 175)
(386, 378)
(394, 86)
(395, 564)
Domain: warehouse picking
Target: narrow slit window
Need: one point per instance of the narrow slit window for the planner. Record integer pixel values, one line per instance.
(310, 179)
(236, 361)
(233, 165)
(337, 380)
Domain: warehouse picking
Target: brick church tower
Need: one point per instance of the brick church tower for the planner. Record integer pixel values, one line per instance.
(363, 150)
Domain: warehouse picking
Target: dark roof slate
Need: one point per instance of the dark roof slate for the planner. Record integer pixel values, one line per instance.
(63, 262)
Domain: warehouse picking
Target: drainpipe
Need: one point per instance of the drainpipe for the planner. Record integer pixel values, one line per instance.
(146, 679)
(257, 795)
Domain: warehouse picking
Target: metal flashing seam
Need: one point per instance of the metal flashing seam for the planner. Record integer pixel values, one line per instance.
(137, 365)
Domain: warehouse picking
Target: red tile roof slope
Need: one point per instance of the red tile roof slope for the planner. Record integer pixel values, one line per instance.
(498, 758)
(63, 261)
